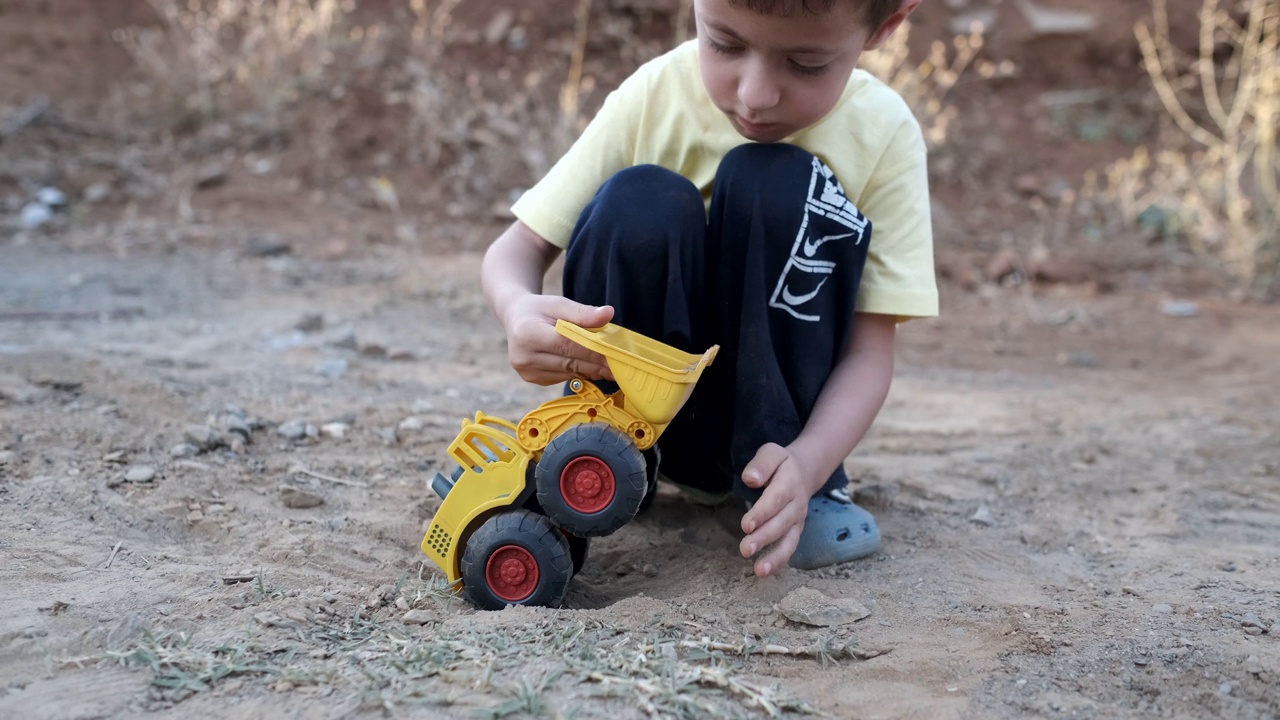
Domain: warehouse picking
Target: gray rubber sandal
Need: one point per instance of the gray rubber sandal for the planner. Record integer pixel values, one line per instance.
(835, 531)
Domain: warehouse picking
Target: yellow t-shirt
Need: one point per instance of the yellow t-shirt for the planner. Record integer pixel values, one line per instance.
(662, 115)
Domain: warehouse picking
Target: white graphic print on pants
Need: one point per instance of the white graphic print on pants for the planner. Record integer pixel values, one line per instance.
(829, 217)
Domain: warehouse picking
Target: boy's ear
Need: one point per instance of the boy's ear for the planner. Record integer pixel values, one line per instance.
(886, 29)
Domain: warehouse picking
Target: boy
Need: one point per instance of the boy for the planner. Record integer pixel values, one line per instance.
(726, 194)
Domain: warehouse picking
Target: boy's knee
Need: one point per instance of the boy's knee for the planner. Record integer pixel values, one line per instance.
(648, 190)
(647, 201)
(764, 161)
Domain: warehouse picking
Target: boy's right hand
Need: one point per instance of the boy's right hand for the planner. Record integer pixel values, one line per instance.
(541, 355)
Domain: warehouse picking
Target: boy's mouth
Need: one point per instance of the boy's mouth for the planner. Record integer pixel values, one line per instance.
(755, 131)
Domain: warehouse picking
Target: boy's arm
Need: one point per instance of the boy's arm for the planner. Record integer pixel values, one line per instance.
(790, 476)
(511, 276)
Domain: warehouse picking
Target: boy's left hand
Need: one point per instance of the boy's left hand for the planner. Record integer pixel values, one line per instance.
(776, 519)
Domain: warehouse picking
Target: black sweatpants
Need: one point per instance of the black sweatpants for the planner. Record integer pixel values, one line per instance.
(771, 276)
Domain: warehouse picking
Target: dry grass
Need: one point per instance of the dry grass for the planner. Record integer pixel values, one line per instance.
(214, 56)
(548, 667)
(1213, 187)
(926, 85)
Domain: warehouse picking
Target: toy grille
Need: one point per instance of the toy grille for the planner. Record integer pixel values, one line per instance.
(439, 539)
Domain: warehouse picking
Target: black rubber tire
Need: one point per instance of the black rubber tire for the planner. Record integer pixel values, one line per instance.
(534, 534)
(612, 448)
(578, 547)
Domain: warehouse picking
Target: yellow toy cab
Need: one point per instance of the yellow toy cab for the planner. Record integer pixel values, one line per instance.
(525, 497)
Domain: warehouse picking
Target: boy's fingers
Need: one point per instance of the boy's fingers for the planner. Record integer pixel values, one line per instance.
(587, 316)
(763, 465)
(780, 553)
(773, 528)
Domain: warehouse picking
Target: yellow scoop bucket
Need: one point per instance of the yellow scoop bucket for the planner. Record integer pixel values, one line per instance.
(656, 378)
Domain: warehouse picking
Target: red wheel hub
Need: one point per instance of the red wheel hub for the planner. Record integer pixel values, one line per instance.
(587, 485)
(512, 573)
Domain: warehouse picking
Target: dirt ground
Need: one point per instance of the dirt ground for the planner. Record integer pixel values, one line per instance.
(1077, 478)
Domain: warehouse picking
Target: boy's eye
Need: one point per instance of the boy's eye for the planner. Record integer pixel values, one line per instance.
(808, 69)
(724, 49)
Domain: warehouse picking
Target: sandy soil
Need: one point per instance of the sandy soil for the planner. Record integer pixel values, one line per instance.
(1079, 491)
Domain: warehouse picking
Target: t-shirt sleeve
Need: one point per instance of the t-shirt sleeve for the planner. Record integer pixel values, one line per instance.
(607, 145)
(899, 275)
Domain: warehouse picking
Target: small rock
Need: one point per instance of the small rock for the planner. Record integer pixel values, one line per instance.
(333, 369)
(8, 457)
(51, 196)
(412, 423)
(238, 425)
(114, 457)
(329, 597)
(270, 619)
(140, 474)
(1179, 308)
(211, 176)
(1225, 688)
(1001, 265)
(309, 323)
(982, 516)
(292, 430)
(1253, 666)
(373, 350)
(184, 450)
(418, 617)
(264, 247)
(34, 215)
(1253, 621)
(97, 192)
(300, 499)
(402, 604)
(1078, 358)
(379, 596)
(808, 606)
(195, 516)
(34, 632)
(203, 437)
(335, 430)
(1162, 608)
(388, 436)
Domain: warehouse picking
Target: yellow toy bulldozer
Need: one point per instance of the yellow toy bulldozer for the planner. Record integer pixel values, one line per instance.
(525, 497)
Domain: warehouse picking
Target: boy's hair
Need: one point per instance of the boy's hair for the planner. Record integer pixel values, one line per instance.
(874, 12)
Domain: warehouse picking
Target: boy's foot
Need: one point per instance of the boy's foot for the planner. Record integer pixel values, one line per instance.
(835, 531)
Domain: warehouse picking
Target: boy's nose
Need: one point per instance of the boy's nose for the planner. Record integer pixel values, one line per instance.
(757, 90)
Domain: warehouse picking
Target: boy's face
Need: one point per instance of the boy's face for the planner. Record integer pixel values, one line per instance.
(772, 76)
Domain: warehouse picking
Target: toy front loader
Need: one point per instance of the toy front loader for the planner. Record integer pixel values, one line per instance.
(525, 497)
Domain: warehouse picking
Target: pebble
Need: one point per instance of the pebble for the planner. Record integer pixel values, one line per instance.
(309, 323)
(293, 429)
(982, 516)
(195, 516)
(1253, 666)
(335, 429)
(1179, 308)
(7, 457)
(97, 192)
(203, 437)
(51, 196)
(411, 423)
(333, 369)
(388, 436)
(417, 617)
(1225, 688)
(1162, 608)
(810, 607)
(140, 474)
(267, 247)
(184, 450)
(34, 215)
(329, 597)
(34, 632)
(300, 499)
